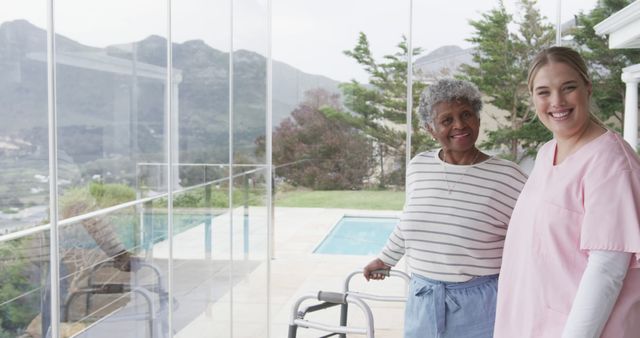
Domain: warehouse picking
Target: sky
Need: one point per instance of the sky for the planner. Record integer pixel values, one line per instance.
(308, 34)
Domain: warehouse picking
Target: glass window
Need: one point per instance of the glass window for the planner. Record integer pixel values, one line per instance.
(24, 168)
(111, 86)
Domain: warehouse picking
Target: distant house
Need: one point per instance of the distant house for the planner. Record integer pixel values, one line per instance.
(623, 29)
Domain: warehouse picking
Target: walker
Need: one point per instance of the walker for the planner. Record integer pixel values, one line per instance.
(147, 291)
(344, 298)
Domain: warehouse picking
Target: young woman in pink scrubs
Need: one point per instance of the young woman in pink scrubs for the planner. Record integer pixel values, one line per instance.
(570, 264)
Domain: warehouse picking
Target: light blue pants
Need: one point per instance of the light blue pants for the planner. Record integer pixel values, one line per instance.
(437, 309)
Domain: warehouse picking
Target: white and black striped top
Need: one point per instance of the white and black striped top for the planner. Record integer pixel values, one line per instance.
(455, 218)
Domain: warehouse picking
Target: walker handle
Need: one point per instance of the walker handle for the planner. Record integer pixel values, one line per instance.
(385, 272)
(332, 297)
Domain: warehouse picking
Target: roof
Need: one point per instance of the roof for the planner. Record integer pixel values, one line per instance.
(623, 27)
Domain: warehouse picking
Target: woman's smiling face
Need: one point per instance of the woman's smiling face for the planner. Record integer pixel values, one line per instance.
(561, 98)
(456, 126)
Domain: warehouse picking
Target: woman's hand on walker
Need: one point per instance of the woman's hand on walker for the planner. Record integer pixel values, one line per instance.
(374, 265)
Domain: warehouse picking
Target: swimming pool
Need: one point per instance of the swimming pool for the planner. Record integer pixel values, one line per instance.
(354, 235)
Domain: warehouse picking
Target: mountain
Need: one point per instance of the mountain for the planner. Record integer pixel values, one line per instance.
(443, 61)
(113, 98)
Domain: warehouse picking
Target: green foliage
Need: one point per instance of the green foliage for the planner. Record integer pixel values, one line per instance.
(108, 195)
(530, 135)
(362, 199)
(14, 284)
(605, 64)
(83, 199)
(502, 60)
(318, 148)
(218, 198)
(374, 106)
(188, 200)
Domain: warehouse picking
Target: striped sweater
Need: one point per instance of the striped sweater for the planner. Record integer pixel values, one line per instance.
(455, 218)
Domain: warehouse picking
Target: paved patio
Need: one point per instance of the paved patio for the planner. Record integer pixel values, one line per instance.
(295, 271)
(202, 281)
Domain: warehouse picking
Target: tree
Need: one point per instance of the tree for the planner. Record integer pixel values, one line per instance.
(605, 64)
(502, 60)
(378, 109)
(15, 284)
(337, 155)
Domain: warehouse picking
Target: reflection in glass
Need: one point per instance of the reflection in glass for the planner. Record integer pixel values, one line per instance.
(114, 105)
(249, 230)
(200, 203)
(24, 181)
(24, 185)
(111, 108)
(111, 282)
(111, 96)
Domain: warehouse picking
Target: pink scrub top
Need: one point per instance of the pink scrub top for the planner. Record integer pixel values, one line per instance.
(590, 201)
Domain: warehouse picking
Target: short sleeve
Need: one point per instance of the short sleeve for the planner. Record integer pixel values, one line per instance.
(612, 215)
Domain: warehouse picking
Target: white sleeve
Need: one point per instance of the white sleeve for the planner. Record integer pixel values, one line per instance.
(597, 293)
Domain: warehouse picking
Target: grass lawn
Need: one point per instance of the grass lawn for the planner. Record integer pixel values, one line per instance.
(348, 199)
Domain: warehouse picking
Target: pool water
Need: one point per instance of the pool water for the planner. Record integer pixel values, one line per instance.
(357, 236)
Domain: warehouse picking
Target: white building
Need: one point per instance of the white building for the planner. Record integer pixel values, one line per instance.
(623, 29)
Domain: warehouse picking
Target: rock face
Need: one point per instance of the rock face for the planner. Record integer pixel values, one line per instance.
(443, 61)
(110, 104)
(100, 90)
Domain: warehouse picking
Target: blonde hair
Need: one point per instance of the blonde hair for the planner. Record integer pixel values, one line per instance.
(569, 57)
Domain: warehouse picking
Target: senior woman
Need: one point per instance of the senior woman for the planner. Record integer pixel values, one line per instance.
(452, 228)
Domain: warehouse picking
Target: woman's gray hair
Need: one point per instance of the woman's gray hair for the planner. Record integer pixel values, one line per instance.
(448, 90)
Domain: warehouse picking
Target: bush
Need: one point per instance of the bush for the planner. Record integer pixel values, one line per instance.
(14, 284)
(320, 153)
(107, 195)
